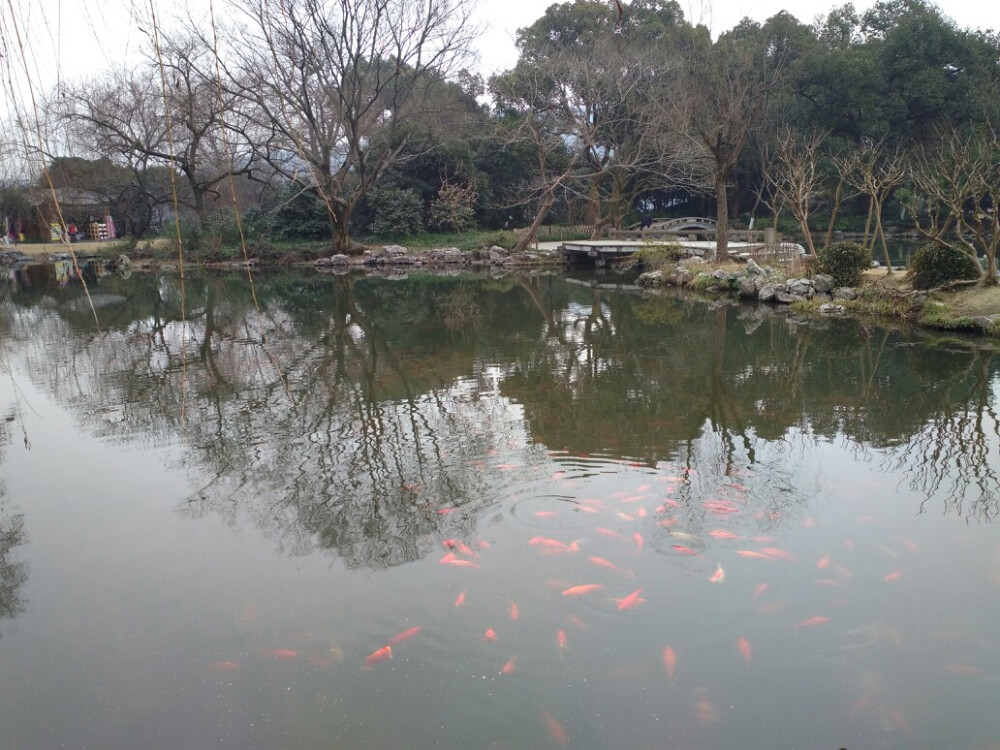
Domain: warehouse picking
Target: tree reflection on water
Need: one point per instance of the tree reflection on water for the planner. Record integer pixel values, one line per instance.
(372, 417)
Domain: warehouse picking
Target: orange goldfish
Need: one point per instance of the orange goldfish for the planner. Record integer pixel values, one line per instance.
(545, 514)
(463, 564)
(743, 645)
(382, 654)
(751, 554)
(585, 588)
(561, 639)
(813, 621)
(631, 600)
(460, 599)
(669, 662)
(556, 731)
(761, 588)
(722, 534)
(508, 668)
(638, 540)
(893, 576)
(490, 635)
(776, 553)
(549, 545)
(719, 575)
(601, 562)
(823, 562)
(512, 611)
(682, 549)
(281, 654)
(608, 532)
(404, 636)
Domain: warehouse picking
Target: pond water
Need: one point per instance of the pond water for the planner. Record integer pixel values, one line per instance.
(571, 515)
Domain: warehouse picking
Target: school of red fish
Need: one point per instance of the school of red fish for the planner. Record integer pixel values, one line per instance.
(628, 527)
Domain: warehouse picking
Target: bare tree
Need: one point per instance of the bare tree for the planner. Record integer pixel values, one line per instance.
(167, 112)
(792, 170)
(600, 123)
(729, 82)
(876, 173)
(337, 91)
(956, 185)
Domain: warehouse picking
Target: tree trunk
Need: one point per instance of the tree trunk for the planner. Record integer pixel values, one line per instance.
(722, 216)
(880, 233)
(833, 215)
(543, 209)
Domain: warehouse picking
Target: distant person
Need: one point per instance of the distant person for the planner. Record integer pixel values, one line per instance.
(646, 221)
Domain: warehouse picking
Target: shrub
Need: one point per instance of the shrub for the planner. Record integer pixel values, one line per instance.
(844, 261)
(397, 212)
(657, 256)
(454, 208)
(933, 265)
(504, 238)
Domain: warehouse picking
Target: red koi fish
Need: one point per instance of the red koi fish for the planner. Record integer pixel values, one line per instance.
(823, 562)
(638, 540)
(631, 600)
(719, 575)
(549, 545)
(602, 563)
(641, 512)
(490, 635)
(404, 636)
(508, 668)
(375, 657)
(466, 550)
(743, 646)
(585, 588)
(545, 514)
(669, 662)
(722, 534)
(682, 549)
(608, 532)
(749, 553)
(561, 639)
(459, 563)
(761, 588)
(812, 622)
(512, 611)
(556, 731)
(280, 654)
(893, 576)
(777, 554)
(448, 558)
(460, 599)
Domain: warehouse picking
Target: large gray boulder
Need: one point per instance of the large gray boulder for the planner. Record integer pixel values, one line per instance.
(767, 292)
(823, 283)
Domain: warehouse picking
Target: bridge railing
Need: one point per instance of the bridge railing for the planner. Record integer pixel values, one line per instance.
(734, 235)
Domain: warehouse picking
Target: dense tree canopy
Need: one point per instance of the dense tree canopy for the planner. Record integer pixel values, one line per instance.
(611, 110)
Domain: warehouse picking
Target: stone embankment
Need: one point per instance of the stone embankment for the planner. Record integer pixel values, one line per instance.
(397, 256)
(816, 293)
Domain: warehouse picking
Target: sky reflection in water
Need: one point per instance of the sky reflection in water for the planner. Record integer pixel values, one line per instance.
(615, 520)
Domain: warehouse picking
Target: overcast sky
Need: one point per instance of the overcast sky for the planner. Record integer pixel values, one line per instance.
(68, 39)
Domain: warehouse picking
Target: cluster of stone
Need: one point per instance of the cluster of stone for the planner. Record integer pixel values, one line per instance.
(399, 256)
(988, 323)
(754, 282)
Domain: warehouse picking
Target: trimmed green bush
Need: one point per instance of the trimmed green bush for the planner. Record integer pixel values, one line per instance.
(844, 261)
(933, 265)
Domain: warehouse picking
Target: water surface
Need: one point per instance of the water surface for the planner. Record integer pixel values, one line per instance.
(214, 514)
